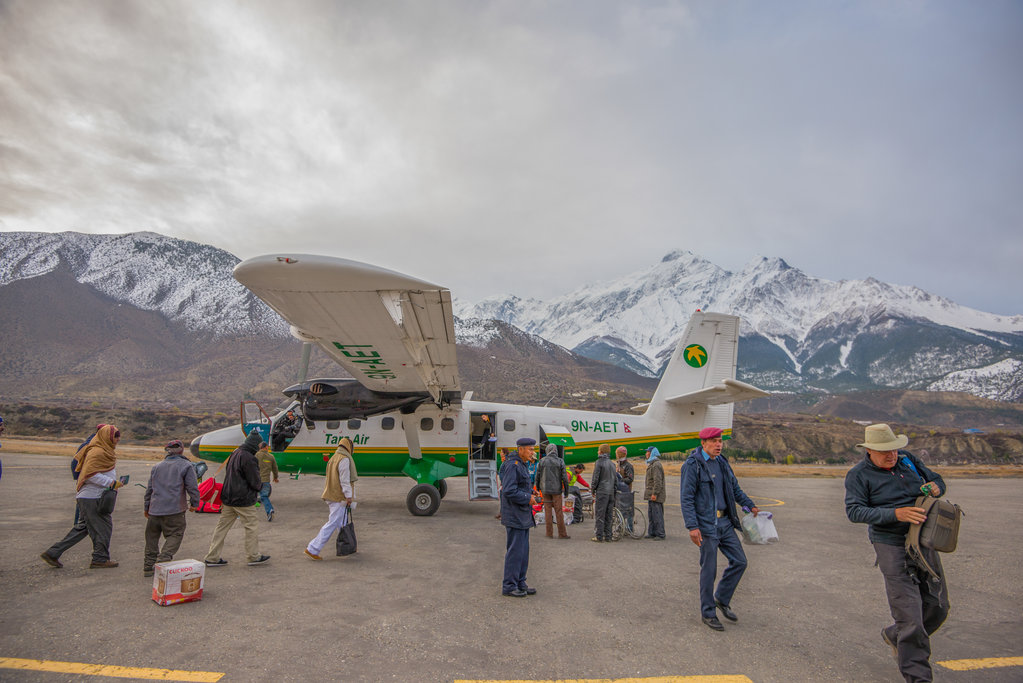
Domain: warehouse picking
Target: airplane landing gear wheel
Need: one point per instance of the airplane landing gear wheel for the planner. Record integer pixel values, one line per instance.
(442, 487)
(423, 500)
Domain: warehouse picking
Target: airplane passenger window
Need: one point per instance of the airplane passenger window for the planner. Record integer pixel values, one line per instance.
(354, 424)
(447, 424)
(333, 424)
(509, 425)
(426, 424)
(387, 423)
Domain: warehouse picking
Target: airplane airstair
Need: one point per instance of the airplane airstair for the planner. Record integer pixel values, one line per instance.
(482, 479)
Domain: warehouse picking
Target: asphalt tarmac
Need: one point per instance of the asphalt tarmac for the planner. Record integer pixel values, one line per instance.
(421, 600)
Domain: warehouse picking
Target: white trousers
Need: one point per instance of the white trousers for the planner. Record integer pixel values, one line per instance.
(338, 518)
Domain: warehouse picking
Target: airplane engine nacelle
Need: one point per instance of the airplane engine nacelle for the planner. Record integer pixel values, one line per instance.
(341, 399)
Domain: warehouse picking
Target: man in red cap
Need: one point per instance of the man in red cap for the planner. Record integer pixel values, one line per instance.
(709, 494)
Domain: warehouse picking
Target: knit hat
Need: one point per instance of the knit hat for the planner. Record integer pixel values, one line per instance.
(252, 441)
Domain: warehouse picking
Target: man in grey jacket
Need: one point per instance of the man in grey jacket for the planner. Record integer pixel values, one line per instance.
(553, 484)
(165, 505)
(602, 485)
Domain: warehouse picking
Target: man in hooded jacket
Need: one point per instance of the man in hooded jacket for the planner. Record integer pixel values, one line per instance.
(551, 480)
(238, 501)
(654, 492)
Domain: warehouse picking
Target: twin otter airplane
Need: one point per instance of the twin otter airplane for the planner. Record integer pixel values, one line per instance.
(405, 410)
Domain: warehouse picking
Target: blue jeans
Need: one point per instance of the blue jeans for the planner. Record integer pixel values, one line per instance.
(264, 498)
(725, 540)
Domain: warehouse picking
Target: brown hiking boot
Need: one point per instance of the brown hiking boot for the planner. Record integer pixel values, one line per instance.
(109, 564)
(52, 561)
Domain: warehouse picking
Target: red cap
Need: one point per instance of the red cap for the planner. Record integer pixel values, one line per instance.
(709, 433)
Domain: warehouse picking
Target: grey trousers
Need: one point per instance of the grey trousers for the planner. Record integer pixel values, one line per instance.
(918, 603)
(603, 515)
(172, 528)
(92, 523)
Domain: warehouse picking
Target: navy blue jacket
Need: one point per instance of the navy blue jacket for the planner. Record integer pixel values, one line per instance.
(872, 493)
(699, 504)
(516, 494)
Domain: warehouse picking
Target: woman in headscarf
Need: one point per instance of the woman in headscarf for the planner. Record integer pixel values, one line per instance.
(96, 474)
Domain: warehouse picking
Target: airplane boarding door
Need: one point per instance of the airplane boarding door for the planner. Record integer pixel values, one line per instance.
(482, 457)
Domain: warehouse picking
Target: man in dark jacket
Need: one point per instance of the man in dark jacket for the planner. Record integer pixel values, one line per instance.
(881, 491)
(238, 500)
(164, 505)
(602, 486)
(517, 518)
(553, 484)
(708, 495)
(654, 493)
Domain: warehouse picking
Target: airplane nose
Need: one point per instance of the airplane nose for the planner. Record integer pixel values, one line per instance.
(194, 448)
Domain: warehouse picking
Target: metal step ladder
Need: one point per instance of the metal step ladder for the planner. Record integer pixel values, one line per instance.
(482, 480)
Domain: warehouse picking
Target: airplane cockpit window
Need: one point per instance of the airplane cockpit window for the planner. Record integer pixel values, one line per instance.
(354, 424)
(509, 425)
(426, 424)
(447, 424)
(333, 424)
(387, 423)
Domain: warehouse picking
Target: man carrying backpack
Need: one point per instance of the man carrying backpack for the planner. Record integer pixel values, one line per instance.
(881, 491)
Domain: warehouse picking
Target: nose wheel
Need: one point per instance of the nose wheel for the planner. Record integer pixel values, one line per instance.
(423, 500)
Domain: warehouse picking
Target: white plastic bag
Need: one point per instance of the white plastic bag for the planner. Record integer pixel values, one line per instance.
(759, 529)
(749, 528)
(765, 525)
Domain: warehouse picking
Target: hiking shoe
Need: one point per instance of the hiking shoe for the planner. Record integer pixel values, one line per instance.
(147, 572)
(219, 563)
(310, 555)
(889, 643)
(263, 559)
(109, 564)
(597, 539)
(52, 561)
(270, 516)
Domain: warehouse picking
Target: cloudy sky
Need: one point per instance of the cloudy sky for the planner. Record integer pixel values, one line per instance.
(531, 147)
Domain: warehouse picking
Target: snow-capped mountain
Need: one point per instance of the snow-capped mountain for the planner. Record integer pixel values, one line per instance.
(185, 281)
(798, 331)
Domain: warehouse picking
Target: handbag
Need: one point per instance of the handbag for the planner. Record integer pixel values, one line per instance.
(939, 531)
(107, 500)
(346, 544)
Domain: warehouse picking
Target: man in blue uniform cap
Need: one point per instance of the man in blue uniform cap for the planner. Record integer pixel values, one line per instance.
(517, 517)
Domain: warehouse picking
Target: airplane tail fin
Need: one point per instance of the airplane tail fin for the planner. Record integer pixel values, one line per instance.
(700, 377)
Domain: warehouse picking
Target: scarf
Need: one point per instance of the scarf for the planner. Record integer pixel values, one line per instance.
(98, 456)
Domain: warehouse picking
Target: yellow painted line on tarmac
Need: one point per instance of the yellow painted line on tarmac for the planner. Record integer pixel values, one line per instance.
(726, 678)
(986, 663)
(109, 670)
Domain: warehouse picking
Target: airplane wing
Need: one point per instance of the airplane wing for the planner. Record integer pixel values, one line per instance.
(392, 332)
(729, 391)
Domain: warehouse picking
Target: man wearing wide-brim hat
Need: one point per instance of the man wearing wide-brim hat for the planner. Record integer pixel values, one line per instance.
(881, 491)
